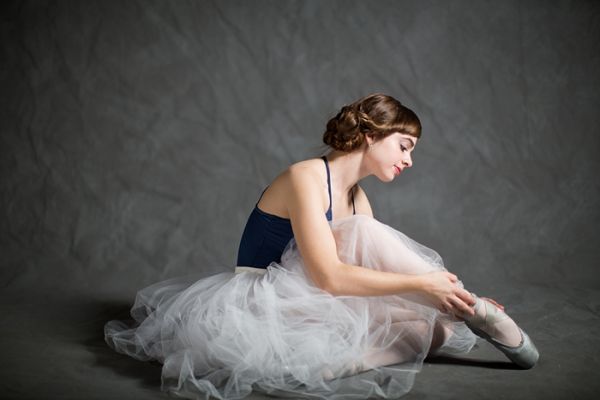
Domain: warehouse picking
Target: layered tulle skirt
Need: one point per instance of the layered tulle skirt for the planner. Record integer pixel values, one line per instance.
(273, 331)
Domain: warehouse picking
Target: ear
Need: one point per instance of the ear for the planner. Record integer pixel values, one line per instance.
(369, 138)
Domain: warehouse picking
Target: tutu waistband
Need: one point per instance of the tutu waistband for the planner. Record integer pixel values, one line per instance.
(260, 271)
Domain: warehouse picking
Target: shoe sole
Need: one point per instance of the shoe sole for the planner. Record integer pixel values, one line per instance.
(525, 355)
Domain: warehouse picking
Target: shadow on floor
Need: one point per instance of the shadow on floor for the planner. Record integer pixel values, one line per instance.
(472, 362)
(148, 373)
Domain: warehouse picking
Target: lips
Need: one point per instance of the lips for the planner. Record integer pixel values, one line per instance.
(398, 170)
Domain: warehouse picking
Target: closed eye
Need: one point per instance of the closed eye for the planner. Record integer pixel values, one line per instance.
(403, 148)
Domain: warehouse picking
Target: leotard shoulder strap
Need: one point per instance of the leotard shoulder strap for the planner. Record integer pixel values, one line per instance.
(329, 213)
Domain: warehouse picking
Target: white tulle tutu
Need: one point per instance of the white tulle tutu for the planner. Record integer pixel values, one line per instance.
(274, 331)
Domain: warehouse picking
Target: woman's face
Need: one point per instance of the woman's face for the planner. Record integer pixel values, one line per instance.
(389, 156)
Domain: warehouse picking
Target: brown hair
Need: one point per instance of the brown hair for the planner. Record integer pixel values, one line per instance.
(377, 114)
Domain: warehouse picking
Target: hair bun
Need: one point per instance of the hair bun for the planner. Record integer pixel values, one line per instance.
(343, 131)
(377, 114)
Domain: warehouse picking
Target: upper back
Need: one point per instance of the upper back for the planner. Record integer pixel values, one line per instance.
(315, 173)
(299, 197)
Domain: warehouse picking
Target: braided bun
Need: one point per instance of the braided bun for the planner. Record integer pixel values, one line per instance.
(378, 115)
(343, 131)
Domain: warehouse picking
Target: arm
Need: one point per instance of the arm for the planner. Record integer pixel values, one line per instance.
(316, 244)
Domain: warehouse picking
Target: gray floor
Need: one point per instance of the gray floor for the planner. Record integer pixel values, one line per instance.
(54, 349)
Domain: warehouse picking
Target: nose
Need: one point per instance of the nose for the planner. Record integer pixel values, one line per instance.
(407, 162)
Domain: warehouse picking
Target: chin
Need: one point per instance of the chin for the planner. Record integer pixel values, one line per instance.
(387, 178)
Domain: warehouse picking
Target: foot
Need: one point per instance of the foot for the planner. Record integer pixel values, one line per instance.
(491, 323)
(352, 369)
(495, 322)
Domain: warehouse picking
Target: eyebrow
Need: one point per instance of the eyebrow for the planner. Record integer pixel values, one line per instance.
(411, 142)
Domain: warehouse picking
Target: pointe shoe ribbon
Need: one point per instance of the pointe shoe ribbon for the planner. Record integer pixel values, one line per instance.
(524, 355)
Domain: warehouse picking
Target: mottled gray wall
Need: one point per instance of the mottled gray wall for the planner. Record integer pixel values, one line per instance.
(136, 136)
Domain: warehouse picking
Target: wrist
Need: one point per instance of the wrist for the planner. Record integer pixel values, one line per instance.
(419, 283)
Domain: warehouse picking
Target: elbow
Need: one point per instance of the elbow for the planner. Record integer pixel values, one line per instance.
(329, 287)
(330, 282)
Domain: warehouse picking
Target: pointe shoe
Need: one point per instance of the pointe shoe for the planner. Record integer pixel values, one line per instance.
(346, 371)
(327, 374)
(524, 355)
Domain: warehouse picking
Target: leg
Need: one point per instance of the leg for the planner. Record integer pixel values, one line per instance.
(441, 334)
(378, 246)
(382, 247)
(398, 354)
(375, 245)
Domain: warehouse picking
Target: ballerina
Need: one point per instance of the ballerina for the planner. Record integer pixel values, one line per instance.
(325, 300)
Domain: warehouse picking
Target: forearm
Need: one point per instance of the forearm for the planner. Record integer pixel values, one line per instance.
(353, 280)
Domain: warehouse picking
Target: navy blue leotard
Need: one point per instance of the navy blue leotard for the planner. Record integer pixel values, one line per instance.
(266, 235)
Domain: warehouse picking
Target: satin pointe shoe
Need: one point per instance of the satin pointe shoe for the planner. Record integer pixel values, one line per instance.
(351, 369)
(525, 355)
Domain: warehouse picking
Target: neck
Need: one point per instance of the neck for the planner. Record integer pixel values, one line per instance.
(346, 169)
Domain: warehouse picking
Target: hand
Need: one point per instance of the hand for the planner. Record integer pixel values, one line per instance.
(446, 295)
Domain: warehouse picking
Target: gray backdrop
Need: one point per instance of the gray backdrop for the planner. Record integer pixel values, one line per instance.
(137, 136)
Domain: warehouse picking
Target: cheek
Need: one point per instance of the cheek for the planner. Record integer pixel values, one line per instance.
(386, 155)
(393, 152)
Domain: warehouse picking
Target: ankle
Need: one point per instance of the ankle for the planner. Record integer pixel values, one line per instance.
(479, 313)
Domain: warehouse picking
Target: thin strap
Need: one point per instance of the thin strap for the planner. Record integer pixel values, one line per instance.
(329, 210)
(353, 209)
(261, 195)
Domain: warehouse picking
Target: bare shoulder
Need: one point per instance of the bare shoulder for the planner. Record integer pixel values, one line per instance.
(361, 202)
(310, 165)
(305, 176)
(306, 172)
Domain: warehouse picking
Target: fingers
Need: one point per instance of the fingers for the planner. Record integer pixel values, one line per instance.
(461, 306)
(465, 296)
(447, 307)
